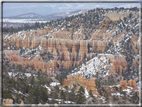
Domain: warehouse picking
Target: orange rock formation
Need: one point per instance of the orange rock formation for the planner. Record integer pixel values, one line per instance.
(7, 102)
(90, 84)
(131, 83)
(119, 63)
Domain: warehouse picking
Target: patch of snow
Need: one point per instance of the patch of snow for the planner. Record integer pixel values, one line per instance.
(69, 102)
(54, 84)
(6, 36)
(127, 90)
(23, 20)
(58, 100)
(12, 74)
(49, 98)
(28, 74)
(24, 37)
(47, 88)
(117, 94)
(86, 93)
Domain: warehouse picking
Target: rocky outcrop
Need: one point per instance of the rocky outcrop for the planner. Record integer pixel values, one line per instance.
(37, 62)
(78, 36)
(135, 63)
(62, 34)
(88, 84)
(29, 41)
(131, 83)
(119, 63)
(83, 49)
(123, 84)
(62, 49)
(7, 101)
(135, 47)
(101, 45)
(116, 16)
(22, 104)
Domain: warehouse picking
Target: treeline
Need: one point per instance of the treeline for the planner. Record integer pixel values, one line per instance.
(25, 27)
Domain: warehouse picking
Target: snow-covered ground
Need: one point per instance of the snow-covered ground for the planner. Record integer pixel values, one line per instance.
(60, 101)
(117, 94)
(23, 20)
(14, 74)
(86, 93)
(53, 84)
(93, 66)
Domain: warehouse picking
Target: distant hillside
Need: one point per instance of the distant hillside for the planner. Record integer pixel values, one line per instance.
(33, 17)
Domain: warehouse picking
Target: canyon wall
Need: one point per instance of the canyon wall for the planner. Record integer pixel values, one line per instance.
(69, 48)
(66, 58)
(37, 62)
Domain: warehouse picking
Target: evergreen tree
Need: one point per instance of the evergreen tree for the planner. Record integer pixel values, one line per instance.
(106, 97)
(43, 94)
(63, 95)
(37, 98)
(90, 93)
(30, 98)
(37, 25)
(80, 96)
(61, 79)
(98, 83)
(72, 95)
(53, 94)
(32, 80)
(56, 88)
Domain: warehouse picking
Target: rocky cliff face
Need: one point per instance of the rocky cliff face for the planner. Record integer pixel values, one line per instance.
(66, 51)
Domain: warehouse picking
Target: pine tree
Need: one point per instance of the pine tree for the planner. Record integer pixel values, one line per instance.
(37, 25)
(53, 94)
(106, 97)
(37, 98)
(44, 94)
(56, 88)
(61, 79)
(72, 95)
(63, 95)
(90, 93)
(32, 80)
(80, 96)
